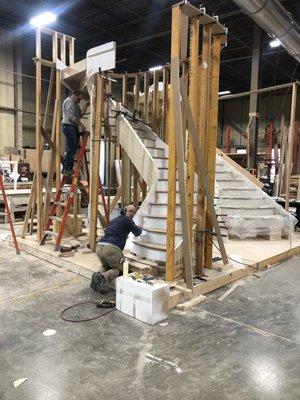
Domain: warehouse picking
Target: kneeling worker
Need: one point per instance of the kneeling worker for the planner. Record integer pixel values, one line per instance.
(110, 246)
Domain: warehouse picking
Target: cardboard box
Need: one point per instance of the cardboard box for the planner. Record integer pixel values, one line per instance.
(31, 158)
(147, 303)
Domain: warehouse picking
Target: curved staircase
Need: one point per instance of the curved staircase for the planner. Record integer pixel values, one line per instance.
(247, 211)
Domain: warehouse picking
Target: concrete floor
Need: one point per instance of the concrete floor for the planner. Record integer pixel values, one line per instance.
(246, 348)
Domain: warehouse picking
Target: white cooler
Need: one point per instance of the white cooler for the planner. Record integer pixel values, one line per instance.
(147, 303)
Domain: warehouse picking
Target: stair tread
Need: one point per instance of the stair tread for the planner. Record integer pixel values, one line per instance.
(150, 245)
(248, 207)
(157, 230)
(260, 217)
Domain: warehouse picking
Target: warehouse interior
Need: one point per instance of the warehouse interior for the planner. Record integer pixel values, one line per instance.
(150, 199)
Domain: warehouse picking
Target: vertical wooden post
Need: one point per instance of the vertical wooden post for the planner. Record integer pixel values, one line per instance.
(58, 126)
(166, 77)
(288, 164)
(203, 125)
(136, 92)
(38, 137)
(126, 180)
(212, 140)
(72, 51)
(193, 96)
(95, 160)
(155, 101)
(170, 253)
(63, 53)
(179, 142)
(146, 97)
(124, 90)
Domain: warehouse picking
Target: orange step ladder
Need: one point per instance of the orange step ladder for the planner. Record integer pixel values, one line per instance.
(7, 213)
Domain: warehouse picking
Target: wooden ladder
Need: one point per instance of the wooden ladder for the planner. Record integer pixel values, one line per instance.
(70, 199)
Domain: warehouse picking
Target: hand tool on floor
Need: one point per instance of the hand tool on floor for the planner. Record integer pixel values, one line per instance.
(106, 304)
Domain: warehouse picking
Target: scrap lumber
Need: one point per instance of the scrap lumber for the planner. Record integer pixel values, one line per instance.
(229, 291)
(191, 303)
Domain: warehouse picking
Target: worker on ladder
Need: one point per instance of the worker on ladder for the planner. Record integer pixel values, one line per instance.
(71, 122)
(110, 247)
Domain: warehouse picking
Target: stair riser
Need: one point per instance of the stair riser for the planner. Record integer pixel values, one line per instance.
(159, 238)
(151, 254)
(238, 192)
(162, 210)
(157, 152)
(248, 225)
(161, 162)
(159, 223)
(231, 183)
(148, 142)
(238, 212)
(243, 202)
(162, 197)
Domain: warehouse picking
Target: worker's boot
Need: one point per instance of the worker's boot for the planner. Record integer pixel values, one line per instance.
(110, 275)
(98, 283)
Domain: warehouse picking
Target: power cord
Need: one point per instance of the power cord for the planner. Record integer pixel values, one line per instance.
(87, 319)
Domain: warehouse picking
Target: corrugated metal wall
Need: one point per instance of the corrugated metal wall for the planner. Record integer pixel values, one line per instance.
(7, 118)
(236, 112)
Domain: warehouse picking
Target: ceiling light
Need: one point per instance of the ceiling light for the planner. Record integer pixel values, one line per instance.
(275, 43)
(43, 19)
(159, 67)
(224, 92)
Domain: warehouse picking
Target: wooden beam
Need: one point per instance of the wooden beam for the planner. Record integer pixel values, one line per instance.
(288, 164)
(71, 51)
(146, 97)
(201, 170)
(166, 78)
(124, 90)
(136, 91)
(170, 253)
(186, 232)
(193, 96)
(95, 162)
(155, 100)
(212, 140)
(38, 137)
(203, 125)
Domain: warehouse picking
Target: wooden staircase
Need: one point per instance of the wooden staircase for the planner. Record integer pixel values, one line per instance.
(247, 210)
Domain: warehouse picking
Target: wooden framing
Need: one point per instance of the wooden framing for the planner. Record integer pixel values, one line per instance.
(95, 156)
(38, 136)
(288, 164)
(175, 52)
(203, 132)
(193, 95)
(212, 140)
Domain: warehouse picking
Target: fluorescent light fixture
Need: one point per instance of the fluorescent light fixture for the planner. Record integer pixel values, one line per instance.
(224, 92)
(159, 67)
(43, 19)
(275, 43)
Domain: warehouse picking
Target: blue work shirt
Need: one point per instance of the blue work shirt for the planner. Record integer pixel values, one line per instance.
(118, 230)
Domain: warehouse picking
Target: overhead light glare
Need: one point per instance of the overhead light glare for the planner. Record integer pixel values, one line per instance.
(224, 92)
(43, 19)
(159, 67)
(275, 43)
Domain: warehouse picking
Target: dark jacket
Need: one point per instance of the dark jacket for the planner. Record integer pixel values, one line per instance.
(118, 230)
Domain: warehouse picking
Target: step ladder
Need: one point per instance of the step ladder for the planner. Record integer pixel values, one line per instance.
(7, 214)
(70, 198)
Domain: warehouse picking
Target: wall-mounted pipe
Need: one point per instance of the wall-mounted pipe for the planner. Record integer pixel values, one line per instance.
(276, 21)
